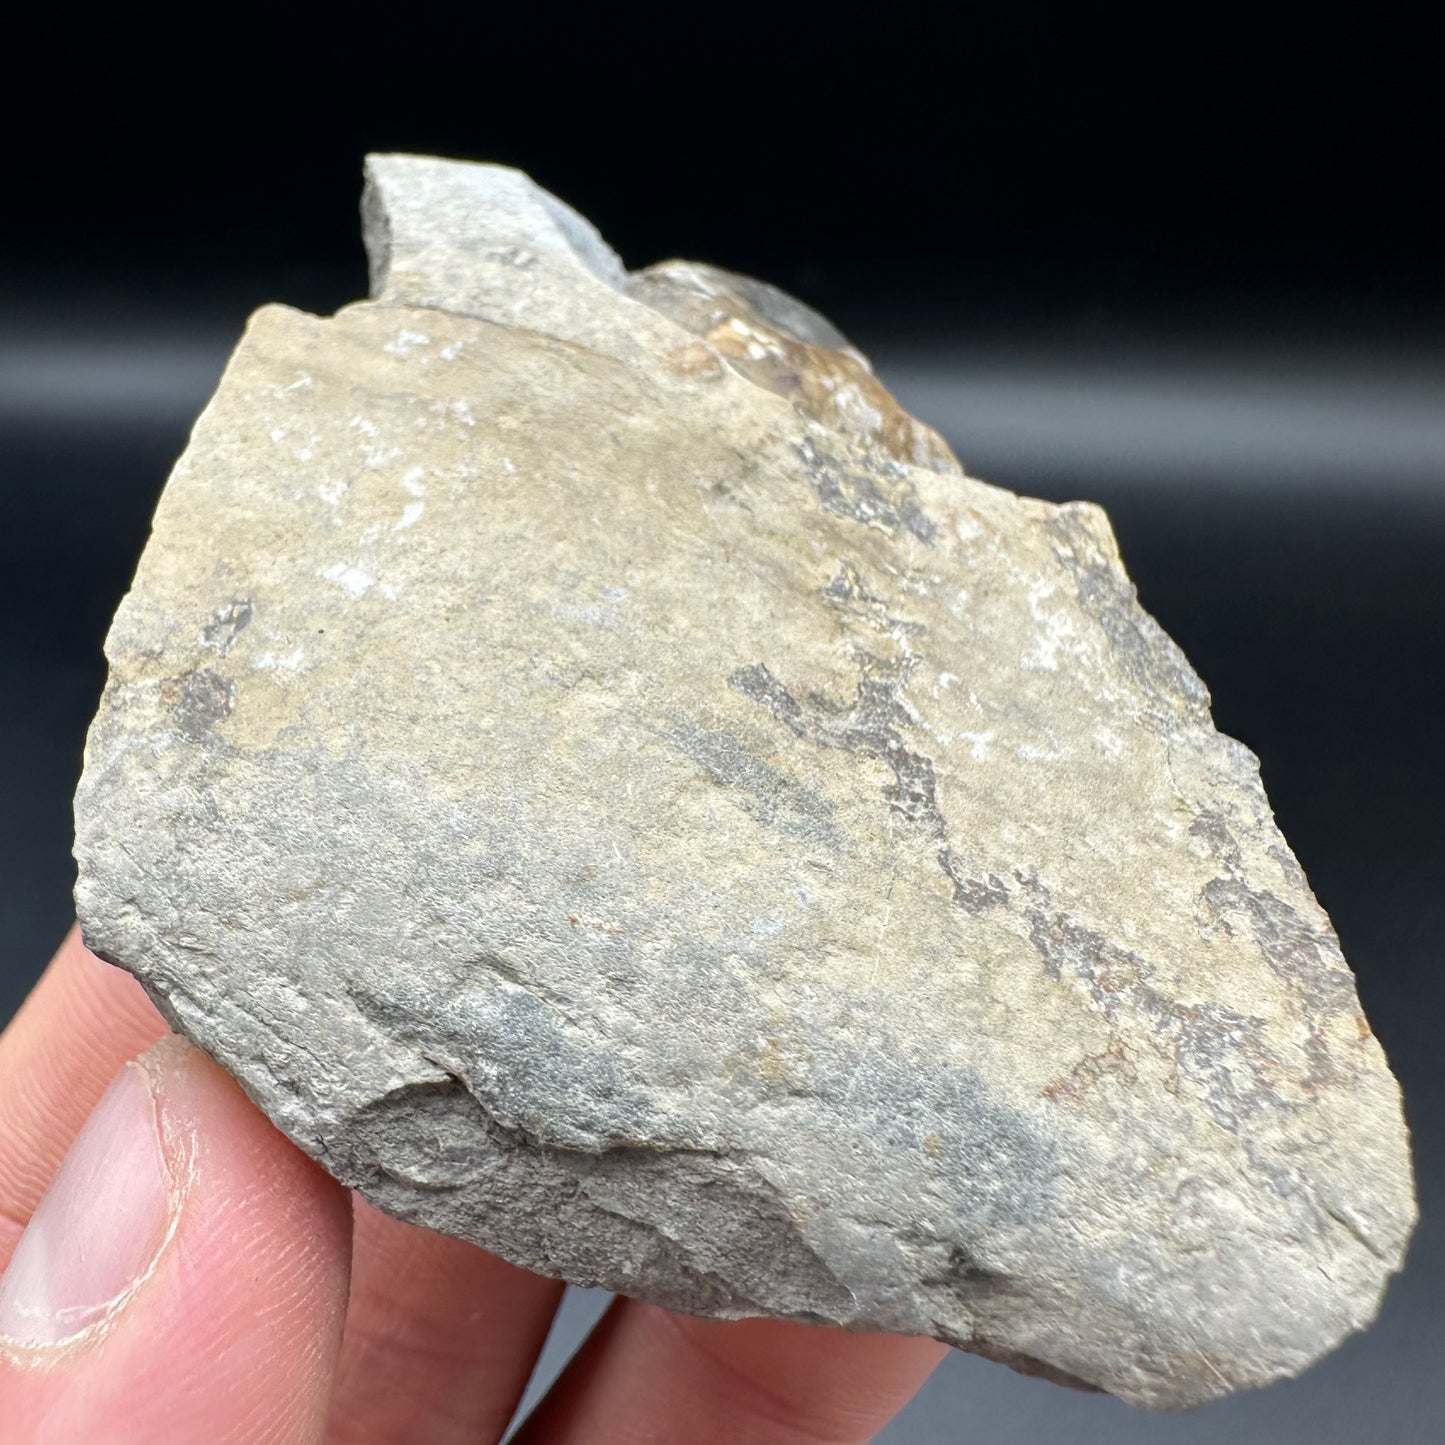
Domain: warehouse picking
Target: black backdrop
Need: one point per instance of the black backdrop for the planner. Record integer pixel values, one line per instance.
(1178, 259)
(1063, 157)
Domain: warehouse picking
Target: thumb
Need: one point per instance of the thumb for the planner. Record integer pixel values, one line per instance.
(184, 1278)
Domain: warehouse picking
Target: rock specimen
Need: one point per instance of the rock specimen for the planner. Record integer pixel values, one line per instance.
(612, 789)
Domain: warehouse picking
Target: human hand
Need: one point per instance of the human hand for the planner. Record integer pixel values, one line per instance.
(186, 1275)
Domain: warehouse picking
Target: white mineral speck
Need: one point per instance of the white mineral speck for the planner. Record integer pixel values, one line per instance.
(406, 341)
(352, 580)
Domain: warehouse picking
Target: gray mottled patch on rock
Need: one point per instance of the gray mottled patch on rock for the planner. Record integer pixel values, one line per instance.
(877, 492)
(610, 787)
(869, 725)
(763, 791)
(203, 698)
(226, 624)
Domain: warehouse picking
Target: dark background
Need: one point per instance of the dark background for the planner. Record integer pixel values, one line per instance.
(1181, 260)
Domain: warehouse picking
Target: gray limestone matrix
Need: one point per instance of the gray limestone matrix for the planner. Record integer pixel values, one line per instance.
(611, 788)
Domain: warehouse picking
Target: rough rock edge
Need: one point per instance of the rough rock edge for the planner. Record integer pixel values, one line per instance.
(576, 238)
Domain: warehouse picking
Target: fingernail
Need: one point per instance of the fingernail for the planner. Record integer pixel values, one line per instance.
(100, 1228)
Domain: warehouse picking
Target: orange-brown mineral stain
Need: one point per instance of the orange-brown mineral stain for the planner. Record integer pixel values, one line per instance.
(1114, 1061)
(831, 384)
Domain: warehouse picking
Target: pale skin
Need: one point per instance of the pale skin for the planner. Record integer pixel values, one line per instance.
(248, 1299)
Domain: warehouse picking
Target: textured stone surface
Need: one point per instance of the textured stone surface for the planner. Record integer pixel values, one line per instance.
(611, 788)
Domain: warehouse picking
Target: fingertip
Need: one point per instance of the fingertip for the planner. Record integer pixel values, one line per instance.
(183, 1279)
(57, 1057)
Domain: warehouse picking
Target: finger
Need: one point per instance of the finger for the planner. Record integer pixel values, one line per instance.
(82, 1021)
(440, 1338)
(648, 1375)
(182, 1280)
